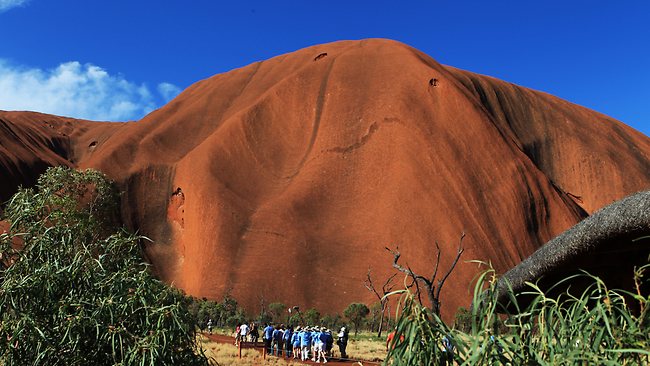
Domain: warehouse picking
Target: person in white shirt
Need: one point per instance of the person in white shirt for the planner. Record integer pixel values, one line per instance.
(244, 330)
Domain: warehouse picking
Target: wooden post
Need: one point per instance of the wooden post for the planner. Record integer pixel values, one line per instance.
(239, 346)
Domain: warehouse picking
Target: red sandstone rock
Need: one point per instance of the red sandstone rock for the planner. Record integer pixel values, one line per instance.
(284, 180)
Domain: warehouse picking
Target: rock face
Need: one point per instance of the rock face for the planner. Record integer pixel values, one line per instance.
(284, 180)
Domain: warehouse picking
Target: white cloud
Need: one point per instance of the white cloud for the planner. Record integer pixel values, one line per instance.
(8, 4)
(168, 91)
(75, 90)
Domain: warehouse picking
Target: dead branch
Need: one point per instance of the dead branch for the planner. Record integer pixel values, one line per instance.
(435, 269)
(459, 251)
(408, 271)
(369, 285)
(386, 288)
(433, 288)
(397, 266)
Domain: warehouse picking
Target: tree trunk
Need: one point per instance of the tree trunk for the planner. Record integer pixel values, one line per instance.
(435, 304)
(381, 318)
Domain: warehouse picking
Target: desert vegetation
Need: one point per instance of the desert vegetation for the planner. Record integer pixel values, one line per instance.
(74, 288)
(598, 326)
(225, 313)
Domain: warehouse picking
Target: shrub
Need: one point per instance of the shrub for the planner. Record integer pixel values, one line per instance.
(331, 321)
(74, 289)
(230, 313)
(312, 317)
(278, 311)
(203, 310)
(356, 313)
(596, 327)
(295, 319)
(264, 318)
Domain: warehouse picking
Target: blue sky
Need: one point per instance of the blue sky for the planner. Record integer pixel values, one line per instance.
(117, 60)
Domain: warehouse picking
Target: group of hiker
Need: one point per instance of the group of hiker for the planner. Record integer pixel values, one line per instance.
(310, 342)
(313, 343)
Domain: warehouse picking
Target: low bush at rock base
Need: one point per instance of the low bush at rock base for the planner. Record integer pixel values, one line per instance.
(74, 289)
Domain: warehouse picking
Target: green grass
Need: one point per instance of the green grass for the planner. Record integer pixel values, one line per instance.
(366, 346)
(596, 327)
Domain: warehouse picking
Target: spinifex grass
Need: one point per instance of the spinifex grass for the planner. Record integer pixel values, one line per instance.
(595, 327)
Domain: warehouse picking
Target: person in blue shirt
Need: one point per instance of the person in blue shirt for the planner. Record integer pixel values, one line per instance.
(268, 335)
(276, 343)
(314, 340)
(320, 345)
(286, 340)
(295, 341)
(305, 344)
(329, 341)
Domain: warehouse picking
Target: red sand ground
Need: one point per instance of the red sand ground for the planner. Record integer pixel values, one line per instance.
(284, 180)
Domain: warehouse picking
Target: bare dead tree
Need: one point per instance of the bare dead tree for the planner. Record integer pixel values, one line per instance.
(386, 288)
(432, 286)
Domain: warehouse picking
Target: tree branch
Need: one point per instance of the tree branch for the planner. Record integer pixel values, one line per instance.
(386, 288)
(417, 286)
(433, 288)
(370, 286)
(453, 265)
(408, 271)
(435, 270)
